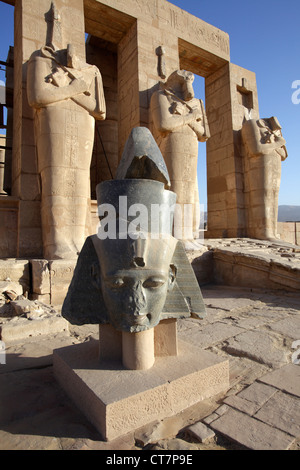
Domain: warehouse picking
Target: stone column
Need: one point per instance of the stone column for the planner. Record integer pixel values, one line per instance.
(138, 350)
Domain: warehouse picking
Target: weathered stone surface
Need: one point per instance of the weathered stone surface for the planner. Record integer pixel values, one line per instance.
(61, 273)
(289, 327)
(209, 419)
(175, 445)
(153, 434)
(169, 427)
(211, 334)
(34, 352)
(251, 432)
(259, 346)
(257, 393)
(201, 432)
(117, 404)
(23, 307)
(24, 328)
(26, 423)
(9, 441)
(282, 411)
(241, 404)
(286, 378)
(40, 276)
(227, 300)
(11, 289)
(15, 270)
(253, 263)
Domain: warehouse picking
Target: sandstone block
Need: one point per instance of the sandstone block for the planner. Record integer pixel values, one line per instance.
(40, 276)
(16, 271)
(257, 393)
(251, 433)
(282, 411)
(201, 432)
(241, 404)
(259, 346)
(286, 378)
(118, 401)
(61, 273)
(12, 289)
(289, 327)
(24, 328)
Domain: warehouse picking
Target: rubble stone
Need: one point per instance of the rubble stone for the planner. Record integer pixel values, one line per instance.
(201, 432)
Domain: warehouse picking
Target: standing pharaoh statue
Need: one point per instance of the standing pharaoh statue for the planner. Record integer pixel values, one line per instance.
(265, 150)
(181, 121)
(67, 96)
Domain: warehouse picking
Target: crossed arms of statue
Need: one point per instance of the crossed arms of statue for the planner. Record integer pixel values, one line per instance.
(49, 82)
(263, 137)
(168, 117)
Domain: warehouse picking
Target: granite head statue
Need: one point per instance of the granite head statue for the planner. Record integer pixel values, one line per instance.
(129, 273)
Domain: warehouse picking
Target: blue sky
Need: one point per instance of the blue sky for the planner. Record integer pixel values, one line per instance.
(264, 38)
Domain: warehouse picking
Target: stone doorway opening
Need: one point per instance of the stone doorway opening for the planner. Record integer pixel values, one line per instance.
(107, 30)
(104, 163)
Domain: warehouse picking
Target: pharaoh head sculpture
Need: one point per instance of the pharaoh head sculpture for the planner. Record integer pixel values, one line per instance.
(134, 263)
(181, 82)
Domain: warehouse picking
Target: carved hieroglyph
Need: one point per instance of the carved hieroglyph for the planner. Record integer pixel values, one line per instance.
(181, 122)
(265, 150)
(67, 96)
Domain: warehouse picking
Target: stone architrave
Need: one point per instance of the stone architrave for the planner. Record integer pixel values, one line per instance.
(265, 150)
(67, 96)
(181, 121)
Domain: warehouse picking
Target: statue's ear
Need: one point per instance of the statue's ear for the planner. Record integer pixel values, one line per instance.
(172, 276)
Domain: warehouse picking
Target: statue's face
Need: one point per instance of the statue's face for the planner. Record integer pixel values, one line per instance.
(182, 82)
(135, 297)
(187, 88)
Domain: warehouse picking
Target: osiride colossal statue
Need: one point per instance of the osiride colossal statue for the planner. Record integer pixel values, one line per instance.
(67, 96)
(181, 122)
(265, 150)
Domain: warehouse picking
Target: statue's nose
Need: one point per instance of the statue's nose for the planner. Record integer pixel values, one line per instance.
(137, 299)
(189, 92)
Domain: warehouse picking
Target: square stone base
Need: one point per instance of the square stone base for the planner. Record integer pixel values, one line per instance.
(118, 401)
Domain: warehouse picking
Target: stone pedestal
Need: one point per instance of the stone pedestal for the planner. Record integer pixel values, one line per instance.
(118, 401)
(137, 351)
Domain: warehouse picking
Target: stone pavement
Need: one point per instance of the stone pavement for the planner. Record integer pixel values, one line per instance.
(258, 330)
